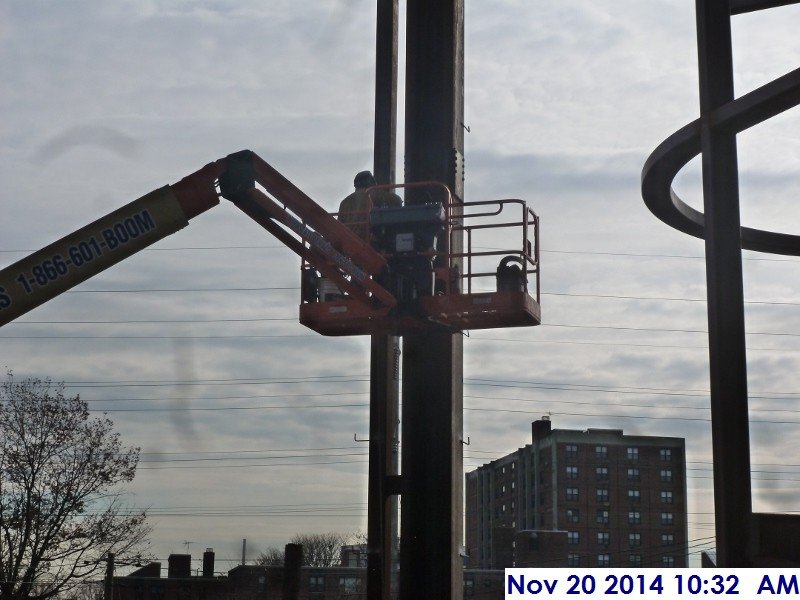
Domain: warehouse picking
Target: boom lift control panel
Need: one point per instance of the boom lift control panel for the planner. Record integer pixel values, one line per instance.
(405, 276)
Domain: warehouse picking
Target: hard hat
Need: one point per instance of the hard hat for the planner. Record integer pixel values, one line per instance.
(364, 179)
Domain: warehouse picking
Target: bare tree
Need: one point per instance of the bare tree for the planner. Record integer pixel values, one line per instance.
(61, 495)
(271, 557)
(321, 549)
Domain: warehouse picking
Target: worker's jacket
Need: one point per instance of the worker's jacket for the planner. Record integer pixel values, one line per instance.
(354, 209)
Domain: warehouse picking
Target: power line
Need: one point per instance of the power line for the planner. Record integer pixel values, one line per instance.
(227, 380)
(194, 398)
(229, 458)
(626, 405)
(159, 321)
(276, 464)
(358, 378)
(292, 319)
(475, 409)
(248, 451)
(535, 384)
(213, 382)
(472, 450)
(275, 288)
(478, 338)
(273, 336)
(618, 416)
(347, 378)
(232, 408)
(543, 251)
(493, 398)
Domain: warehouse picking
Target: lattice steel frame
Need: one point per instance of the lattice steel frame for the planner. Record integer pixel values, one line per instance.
(740, 540)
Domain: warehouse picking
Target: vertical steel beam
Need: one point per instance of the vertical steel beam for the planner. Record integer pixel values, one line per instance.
(728, 361)
(384, 376)
(432, 500)
(386, 47)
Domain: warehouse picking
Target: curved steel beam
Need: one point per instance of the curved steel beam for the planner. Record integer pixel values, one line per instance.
(744, 6)
(678, 149)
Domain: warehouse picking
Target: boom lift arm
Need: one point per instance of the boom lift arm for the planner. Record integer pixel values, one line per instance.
(318, 238)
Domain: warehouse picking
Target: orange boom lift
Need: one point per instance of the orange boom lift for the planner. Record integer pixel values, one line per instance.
(403, 278)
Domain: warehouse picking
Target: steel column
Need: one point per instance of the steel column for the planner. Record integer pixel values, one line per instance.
(432, 500)
(384, 376)
(728, 361)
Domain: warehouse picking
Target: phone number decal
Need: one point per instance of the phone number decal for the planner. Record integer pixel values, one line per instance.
(84, 252)
(651, 583)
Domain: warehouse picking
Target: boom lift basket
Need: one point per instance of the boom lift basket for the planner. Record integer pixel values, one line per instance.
(492, 282)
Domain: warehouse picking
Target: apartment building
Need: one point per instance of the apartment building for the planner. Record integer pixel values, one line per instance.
(593, 498)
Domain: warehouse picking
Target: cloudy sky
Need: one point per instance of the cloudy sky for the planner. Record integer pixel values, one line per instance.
(246, 419)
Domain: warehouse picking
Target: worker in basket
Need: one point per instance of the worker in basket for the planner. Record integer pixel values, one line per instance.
(354, 209)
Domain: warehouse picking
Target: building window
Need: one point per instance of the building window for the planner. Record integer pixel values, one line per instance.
(571, 451)
(603, 560)
(632, 453)
(602, 516)
(635, 560)
(667, 518)
(348, 585)
(572, 493)
(633, 474)
(634, 495)
(667, 539)
(667, 561)
(573, 537)
(666, 475)
(316, 583)
(666, 497)
(634, 539)
(665, 453)
(469, 588)
(573, 515)
(634, 517)
(602, 494)
(573, 560)
(572, 472)
(601, 473)
(601, 452)
(603, 538)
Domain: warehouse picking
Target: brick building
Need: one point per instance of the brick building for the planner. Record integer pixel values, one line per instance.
(580, 498)
(253, 582)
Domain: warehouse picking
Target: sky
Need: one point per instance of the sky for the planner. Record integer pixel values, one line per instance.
(247, 420)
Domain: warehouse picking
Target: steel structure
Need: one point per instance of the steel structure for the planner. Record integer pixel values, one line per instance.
(742, 538)
(384, 390)
(432, 459)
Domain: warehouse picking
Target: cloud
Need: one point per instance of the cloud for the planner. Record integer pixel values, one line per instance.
(98, 137)
(564, 101)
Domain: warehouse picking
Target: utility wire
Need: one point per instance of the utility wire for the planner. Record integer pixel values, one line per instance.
(293, 319)
(366, 404)
(543, 251)
(273, 288)
(357, 378)
(274, 336)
